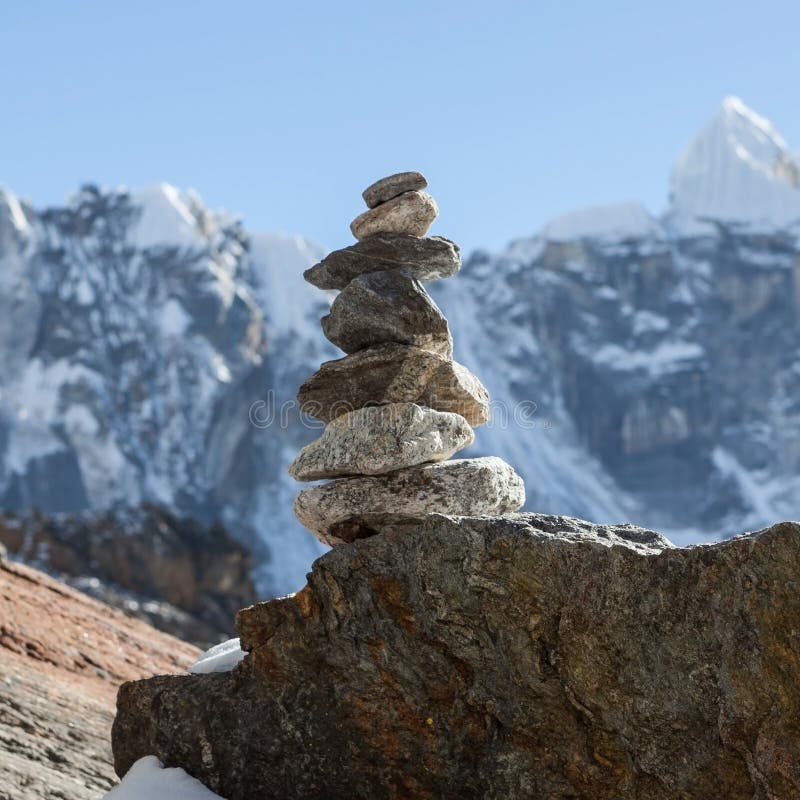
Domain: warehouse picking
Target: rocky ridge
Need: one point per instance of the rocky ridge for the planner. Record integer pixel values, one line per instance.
(501, 657)
(392, 451)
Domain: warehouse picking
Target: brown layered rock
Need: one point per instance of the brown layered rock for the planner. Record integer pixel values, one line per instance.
(514, 657)
(62, 657)
(394, 373)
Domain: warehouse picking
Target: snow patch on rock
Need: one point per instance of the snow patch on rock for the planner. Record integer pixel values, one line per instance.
(148, 779)
(220, 658)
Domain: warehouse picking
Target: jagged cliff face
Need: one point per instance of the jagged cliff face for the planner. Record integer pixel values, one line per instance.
(666, 379)
(138, 329)
(642, 369)
(663, 356)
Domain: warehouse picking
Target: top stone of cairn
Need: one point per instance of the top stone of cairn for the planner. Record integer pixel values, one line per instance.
(392, 186)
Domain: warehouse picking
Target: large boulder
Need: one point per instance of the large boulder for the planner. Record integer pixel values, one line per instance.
(525, 656)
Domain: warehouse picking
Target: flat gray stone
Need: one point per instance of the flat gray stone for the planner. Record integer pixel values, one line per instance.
(387, 307)
(394, 373)
(393, 185)
(424, 259)
(411, 213)
(462, 488)
(379, 439)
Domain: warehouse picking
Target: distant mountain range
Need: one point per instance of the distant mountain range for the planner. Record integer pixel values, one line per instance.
(643, 369)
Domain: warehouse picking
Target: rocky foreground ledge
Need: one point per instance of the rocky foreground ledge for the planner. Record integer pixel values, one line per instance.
(524, 656)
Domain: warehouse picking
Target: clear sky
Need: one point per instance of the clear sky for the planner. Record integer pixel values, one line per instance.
(284, 112)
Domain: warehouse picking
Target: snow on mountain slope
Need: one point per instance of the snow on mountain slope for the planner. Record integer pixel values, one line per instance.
(737, 169)
(165, 218)
(613, 222)
(641, 370)
(135, 345)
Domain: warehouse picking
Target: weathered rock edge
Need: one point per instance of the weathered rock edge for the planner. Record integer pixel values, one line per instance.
(378, 439)
(410, 213)
(461, 487)
(394, 373)
(517, 657)
(386, 306)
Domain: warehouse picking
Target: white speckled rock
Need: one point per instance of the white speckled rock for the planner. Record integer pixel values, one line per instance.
(465, 487)
(393, 185)
(380, 439)
(411, 213)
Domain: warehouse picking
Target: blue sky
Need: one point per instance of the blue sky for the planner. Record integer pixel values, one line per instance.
(516, 111)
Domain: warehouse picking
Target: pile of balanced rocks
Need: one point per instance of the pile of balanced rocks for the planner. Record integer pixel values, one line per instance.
(397, 406)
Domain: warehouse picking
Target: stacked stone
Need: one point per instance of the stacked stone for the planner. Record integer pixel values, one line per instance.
(397, 406)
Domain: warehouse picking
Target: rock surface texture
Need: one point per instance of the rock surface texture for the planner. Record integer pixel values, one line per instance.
(424, 259)
(465, 487)
(387, 188)
(62, 657)
(516, 657)
(378, 439)
(394, 373)
(382, 307)
(400, 360)
(410, 212)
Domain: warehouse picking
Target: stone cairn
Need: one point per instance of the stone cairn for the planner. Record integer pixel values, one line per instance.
(397, 406)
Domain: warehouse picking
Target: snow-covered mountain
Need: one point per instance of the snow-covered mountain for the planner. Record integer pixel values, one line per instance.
(737, 169)
(643, 368)
(662, 355)
(138, 331)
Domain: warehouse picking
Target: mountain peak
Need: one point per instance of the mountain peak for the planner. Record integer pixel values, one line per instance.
(738, 169)
(734, 111)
